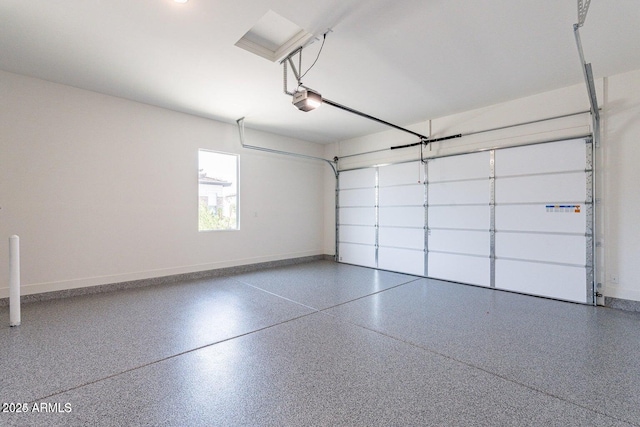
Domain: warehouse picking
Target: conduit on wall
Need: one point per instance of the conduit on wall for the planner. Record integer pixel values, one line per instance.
(333, 163)
(240, 122)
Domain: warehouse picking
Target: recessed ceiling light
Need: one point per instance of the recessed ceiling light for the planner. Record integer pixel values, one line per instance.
(180, 1)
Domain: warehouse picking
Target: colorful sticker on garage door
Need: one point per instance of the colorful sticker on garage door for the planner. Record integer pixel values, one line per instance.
(563, 208)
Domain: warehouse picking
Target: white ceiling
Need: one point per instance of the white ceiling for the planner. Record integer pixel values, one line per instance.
(404, 61)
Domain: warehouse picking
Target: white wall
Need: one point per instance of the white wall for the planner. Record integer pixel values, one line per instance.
(103, 190)
(622, 186)
(618, 159)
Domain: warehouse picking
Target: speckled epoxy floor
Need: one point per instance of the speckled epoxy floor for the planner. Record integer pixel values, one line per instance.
(319, 344)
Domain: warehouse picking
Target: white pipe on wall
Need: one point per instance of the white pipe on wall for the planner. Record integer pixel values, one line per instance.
(14, 281)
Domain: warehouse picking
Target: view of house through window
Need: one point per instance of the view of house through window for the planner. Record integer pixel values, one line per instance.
(217, 191)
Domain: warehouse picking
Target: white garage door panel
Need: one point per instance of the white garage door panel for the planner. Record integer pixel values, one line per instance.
(554, 281)
(464, 242)
(402, 196)
(359, 197)
(357, 216)
(466, 217)
(401, 260)
(541, 158)
(363, 178)
(358, 234)
(405, 173)
(536, 218)
(458, 193)
(467, 166)
(542, 247)
(357, 254)
(567, 187)
(460, 268)
(410, 238)
(538, 248)
(401, 216)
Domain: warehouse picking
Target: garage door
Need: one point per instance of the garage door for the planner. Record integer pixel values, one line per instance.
(357, 231)
(543, 217)
(401, 218)
(459, 218)
(518, 219)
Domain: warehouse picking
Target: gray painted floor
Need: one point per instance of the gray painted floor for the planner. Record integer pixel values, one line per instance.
(319, 344)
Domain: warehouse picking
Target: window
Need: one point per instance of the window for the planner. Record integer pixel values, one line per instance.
(217, 191)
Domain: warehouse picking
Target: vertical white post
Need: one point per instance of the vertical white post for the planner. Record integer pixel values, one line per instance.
(14, 281)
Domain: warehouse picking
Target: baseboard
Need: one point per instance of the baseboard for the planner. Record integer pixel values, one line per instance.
(616, 303)
(622, 304)
(161, 280)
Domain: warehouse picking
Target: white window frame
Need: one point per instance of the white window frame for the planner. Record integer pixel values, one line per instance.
(236, 180)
